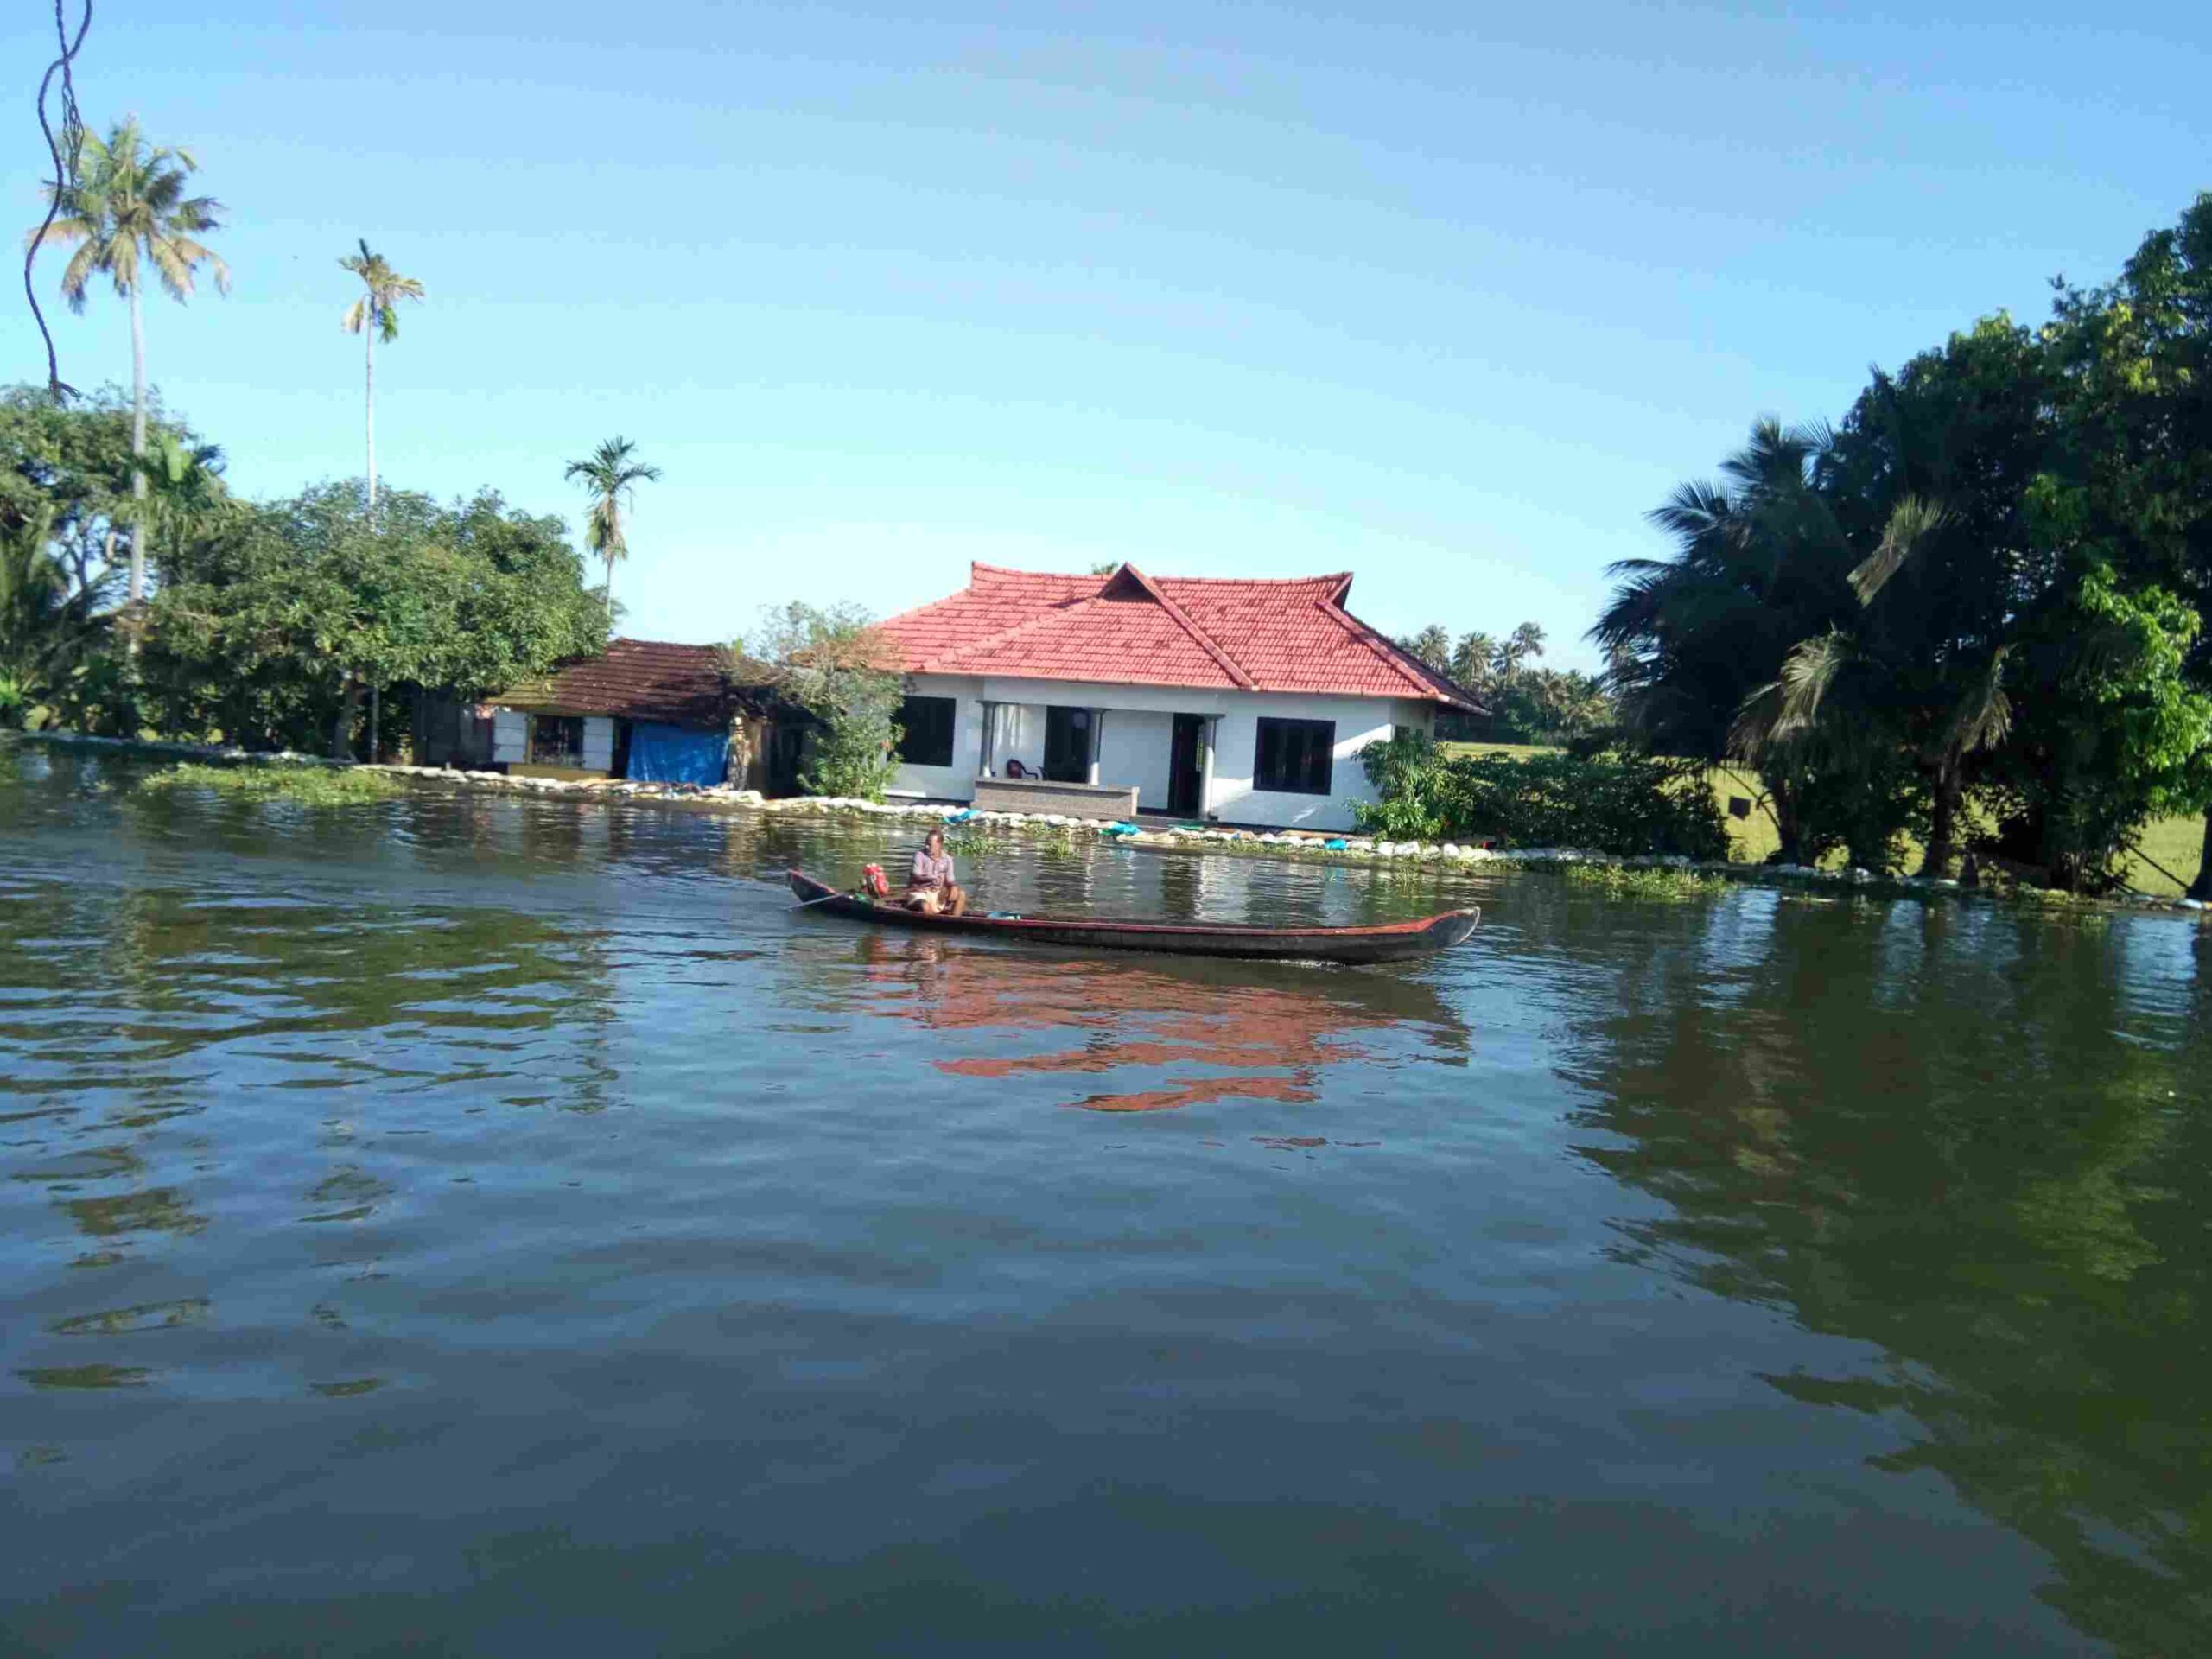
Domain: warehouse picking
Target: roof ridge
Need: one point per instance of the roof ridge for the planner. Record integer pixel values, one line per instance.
(1410, 668)
(1206, 643)
(1334, 579)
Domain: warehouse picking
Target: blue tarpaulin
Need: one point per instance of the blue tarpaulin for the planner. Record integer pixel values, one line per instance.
(676, 755)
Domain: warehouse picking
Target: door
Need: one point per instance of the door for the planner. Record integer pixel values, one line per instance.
(1067, 745)
(787, 755)
(1185, 775)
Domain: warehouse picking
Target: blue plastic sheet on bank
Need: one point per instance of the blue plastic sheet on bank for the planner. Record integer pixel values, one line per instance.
(676, 755)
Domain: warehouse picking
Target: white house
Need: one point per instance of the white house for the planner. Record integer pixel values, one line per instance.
(1244, 702)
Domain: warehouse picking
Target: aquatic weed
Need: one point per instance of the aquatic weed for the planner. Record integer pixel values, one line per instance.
(1654, 884)
(306, 785)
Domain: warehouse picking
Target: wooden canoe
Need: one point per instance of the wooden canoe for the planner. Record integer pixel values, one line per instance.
(1383, 942)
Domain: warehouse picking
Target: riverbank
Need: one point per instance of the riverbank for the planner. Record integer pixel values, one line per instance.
(1292, 845)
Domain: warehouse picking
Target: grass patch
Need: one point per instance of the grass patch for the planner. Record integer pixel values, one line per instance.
(1657, 884)
(308, 785)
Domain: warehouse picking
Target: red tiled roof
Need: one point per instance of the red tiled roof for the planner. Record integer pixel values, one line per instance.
(1129, 628)
(635, 679)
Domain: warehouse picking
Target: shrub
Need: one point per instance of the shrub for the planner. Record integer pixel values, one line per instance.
(1610, 802)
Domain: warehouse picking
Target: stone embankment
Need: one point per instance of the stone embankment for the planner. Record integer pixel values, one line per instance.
(1302, 845)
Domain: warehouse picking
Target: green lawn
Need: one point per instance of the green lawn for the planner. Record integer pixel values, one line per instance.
(2177, 843)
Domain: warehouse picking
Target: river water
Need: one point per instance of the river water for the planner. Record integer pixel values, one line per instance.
(503, 1226)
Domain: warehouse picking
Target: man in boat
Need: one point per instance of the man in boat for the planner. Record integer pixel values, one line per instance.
(932, 889)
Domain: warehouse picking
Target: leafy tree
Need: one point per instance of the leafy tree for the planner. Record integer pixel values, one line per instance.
(611, 475)
(845, 673)
(125, 205)
(46, 628)
(2136, 357)
(279, 626)
(65, 488)
(74, 463)
(377, 312)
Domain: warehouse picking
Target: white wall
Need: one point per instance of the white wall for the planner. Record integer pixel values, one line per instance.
(1360, 721)
(1140, 736)
(510, 736)
(957, 781)
(599, 743)
(1137, 747)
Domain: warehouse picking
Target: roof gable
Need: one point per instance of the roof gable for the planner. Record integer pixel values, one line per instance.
(1128, 628)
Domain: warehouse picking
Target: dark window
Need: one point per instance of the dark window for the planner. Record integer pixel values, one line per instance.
(1067, 745)
(556, 740)
(925, 731)
(1295, 757)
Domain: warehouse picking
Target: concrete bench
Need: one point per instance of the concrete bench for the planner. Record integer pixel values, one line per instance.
(1068, 800)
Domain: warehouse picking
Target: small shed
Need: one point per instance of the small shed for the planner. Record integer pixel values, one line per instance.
(644, 709)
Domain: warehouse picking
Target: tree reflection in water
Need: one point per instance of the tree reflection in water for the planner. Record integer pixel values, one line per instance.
(2017, 1219)
(1252, 1032)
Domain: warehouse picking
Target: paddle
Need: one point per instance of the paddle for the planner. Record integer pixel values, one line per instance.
(806, 903)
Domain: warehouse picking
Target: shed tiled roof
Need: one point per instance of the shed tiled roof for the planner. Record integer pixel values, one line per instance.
(636, 679)
(1130, 628)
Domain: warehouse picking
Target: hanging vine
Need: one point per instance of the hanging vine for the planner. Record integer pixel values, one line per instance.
(65, 149)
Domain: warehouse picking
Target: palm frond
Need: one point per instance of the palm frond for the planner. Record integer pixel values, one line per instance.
(1790, 708)
(76, 275)
(1752, 734)
(1984, 715)
(173, 268)
(1912, 522)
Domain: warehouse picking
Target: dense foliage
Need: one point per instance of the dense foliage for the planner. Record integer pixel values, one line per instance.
(268, 621)
(1611, 802)
(1974, 611)
(273, 631)
(833, 664)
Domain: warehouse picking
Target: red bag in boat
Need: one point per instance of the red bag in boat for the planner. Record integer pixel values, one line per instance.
(874, 882)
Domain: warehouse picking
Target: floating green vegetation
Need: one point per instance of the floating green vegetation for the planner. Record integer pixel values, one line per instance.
(1054, 841)
(1657, 884)
(308, 785)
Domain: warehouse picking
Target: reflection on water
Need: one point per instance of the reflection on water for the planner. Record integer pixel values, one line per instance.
(2009, 1204)
(512, 1219)
(1249, 1032)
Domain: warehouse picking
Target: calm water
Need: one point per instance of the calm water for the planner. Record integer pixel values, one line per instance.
(503, 1226)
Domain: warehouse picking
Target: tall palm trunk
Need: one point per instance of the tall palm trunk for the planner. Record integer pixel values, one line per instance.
(137, 449)
(1789, 832)
(341, 728)
(610, 588)
(1944, 820)
(369, 334)
(2202, 887)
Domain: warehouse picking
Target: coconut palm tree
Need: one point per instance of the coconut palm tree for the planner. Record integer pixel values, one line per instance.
(612, 475)
(1758, 569)
(376, 312)
(126, 205)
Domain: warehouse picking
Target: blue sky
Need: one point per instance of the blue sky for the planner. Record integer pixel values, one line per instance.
(1442, 296)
